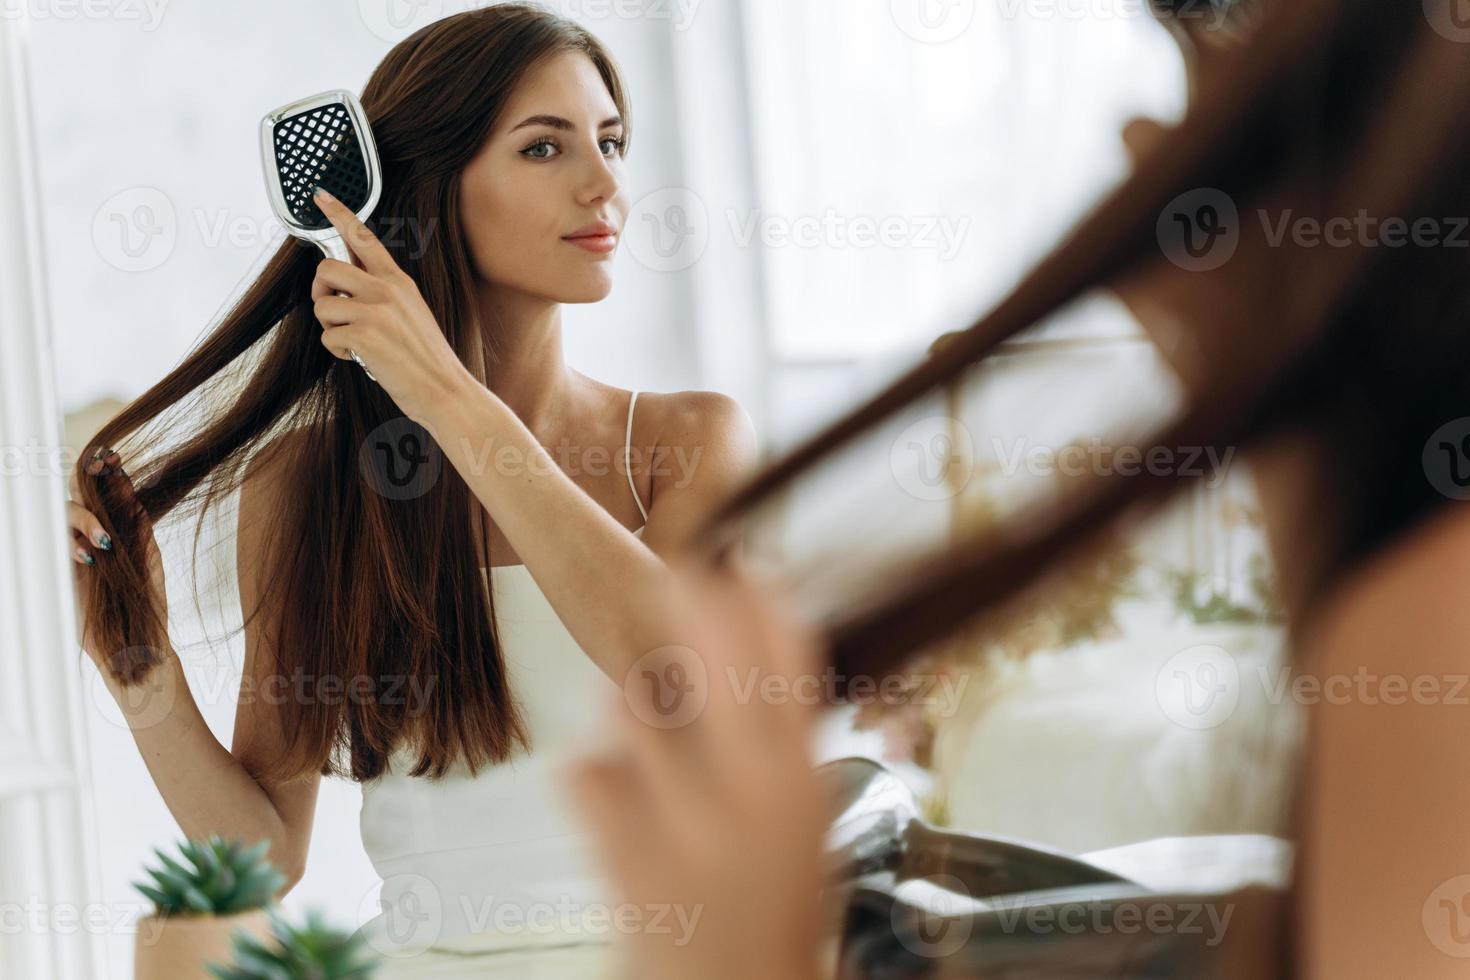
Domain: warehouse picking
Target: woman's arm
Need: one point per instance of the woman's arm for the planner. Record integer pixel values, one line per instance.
(605, 584)
(208, 788)
(720, 821)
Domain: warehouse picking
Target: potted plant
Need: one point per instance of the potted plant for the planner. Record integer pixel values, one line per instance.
(314, 951)
(217, 888)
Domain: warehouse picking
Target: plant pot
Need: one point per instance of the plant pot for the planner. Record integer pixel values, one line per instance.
(179, 947)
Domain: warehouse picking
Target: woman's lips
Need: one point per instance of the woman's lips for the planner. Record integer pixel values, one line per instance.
(595, 243)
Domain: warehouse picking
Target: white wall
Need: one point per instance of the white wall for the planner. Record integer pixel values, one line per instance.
(156, 216)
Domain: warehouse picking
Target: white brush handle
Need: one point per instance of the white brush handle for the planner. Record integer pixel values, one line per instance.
(336, 248)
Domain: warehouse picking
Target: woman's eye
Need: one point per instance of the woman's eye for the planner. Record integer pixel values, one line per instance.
(533, 151)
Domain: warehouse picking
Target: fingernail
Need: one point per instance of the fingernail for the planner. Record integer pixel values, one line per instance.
(82, 554)
(322, 193)
(94, 467)
(104, 540)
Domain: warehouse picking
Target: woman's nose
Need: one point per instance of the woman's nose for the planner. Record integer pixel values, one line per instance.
(600, 180)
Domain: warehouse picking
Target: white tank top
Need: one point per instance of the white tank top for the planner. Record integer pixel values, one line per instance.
(498, 860)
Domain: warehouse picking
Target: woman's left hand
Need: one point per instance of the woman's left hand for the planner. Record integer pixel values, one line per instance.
(383, 317)
(715, 825)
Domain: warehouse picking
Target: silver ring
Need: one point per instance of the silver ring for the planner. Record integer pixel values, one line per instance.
(364, 367)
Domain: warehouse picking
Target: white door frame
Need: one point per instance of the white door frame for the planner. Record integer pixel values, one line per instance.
(49, 882)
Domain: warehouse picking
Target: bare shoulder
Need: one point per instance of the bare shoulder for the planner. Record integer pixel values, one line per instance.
(703, 448)
(1386, 736)
(694, 419)
(1406, 602)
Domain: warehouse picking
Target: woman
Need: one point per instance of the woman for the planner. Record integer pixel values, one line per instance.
(373, 649)
(1335, 361)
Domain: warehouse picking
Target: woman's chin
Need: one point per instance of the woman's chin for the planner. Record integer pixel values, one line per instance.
(585, 289)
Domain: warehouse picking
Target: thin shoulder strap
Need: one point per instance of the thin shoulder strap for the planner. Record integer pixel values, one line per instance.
(628, 456)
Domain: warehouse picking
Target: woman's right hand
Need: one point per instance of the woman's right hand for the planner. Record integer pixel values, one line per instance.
(88, 543)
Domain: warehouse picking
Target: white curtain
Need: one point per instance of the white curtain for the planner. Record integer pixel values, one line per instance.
(51, 923)
(914, 157)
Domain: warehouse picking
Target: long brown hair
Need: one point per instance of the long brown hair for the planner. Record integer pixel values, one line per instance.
(1333, 106)
(368, 583)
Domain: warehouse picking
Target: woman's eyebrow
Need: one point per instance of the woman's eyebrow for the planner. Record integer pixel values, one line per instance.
(557, 122)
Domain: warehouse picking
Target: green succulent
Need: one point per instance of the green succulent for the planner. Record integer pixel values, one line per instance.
(215, 877)
(314, 951)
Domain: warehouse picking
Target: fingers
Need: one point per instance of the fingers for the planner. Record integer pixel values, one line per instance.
(333, 276)
(605, 789)
(85, 523)
(339, 339)
(86, 536)
(336, 311)
(358, 236)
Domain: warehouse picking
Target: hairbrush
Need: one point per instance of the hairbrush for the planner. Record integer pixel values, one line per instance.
(320, 141)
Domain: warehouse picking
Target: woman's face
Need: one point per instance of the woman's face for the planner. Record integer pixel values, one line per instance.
(551, 166)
